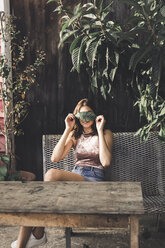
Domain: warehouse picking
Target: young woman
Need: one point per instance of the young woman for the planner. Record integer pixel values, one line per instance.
(84, 131)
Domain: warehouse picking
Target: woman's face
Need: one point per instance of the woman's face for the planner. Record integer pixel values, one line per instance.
(86, 124)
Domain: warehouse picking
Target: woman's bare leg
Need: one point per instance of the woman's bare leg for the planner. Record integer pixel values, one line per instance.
(23, 236)
(53, 175)
(28, 176)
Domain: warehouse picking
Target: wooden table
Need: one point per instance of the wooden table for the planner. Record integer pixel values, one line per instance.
(72, 205)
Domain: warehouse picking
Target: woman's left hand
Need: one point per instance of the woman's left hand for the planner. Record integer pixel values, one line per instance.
(100, 122)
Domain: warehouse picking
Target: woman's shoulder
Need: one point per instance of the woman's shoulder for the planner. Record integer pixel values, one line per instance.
(73, 139)
(108, 132)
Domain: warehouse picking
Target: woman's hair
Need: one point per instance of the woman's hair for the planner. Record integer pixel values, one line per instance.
(78, 129)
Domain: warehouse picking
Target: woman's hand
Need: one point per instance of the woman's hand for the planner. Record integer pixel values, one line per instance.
(70, 121)
(100, 122)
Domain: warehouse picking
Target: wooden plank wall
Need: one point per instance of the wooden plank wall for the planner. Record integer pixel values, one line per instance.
(59, 90)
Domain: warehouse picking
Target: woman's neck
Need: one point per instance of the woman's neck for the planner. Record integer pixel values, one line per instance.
(87, 130)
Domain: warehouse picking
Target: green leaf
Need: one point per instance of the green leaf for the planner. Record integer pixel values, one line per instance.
(91, 50)
(49, 1)
(77, 54)
(114, 58)
(112, 73)
(74, 18)
(77, 9)
(95, 34)
(161, 134)
(66, 36)
(5, 159)
(105, 72)
(90, 16)
(162, 112)
(86, 116)
(3, 170)
(65, 25)
(74, 43)
(108, 8)
(98, 4)
(94, 83)
(103, 91)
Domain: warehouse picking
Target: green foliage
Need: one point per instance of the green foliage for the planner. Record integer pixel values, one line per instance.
(15, 89)
(146, 38)
(154, 112)
(4, 170)
(92, 36)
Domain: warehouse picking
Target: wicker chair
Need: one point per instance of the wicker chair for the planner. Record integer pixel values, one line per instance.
(132, 161)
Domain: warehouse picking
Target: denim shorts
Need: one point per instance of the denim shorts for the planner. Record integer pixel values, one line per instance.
(89, 173)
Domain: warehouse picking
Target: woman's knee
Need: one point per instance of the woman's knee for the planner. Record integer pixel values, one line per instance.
(53, 175)
(28, 176)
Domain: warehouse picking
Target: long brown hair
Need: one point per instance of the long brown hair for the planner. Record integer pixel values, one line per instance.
(78, 129)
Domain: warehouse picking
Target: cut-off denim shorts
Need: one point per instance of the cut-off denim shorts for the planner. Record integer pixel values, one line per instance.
(89, 173)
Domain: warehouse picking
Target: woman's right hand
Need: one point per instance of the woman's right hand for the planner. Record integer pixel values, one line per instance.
(70, 121)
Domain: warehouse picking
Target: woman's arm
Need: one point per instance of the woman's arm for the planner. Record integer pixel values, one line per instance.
(105, 142)
(66, 142)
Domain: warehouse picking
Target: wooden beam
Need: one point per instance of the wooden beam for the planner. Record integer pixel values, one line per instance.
(134, 232)
(63, 220)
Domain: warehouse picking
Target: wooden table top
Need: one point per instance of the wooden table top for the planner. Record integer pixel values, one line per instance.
(71, 197)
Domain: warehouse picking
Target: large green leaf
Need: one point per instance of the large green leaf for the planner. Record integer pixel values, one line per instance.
(94, 82)
(108, 8)
(74, 43)
(99, 4)
(49, 1)
(66, 37)
(91, 50)
(114, 58)
(105, 71)
(162, 113)
(5, 159)
(77, 54)
(103, 90)
(90, 16)
(161, 134)
(3, 170)
(86, 116)
(76, 59)
(75, 18)
(65, 25)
